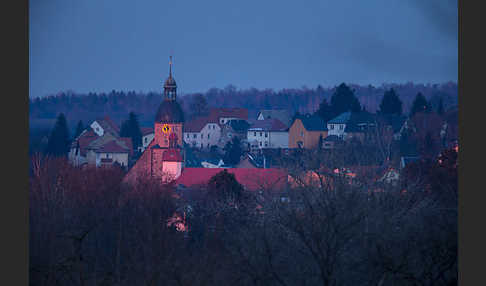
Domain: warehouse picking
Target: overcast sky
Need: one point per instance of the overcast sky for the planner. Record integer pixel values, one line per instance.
(101, 45)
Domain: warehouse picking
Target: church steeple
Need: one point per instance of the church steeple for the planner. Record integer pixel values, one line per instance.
(170, 87)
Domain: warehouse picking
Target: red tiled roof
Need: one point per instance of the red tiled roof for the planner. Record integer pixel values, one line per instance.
(198, 123)
(250, 178)
(271, 124)
(146, 130)
(229, 112)
(172, 155)
(84, 140)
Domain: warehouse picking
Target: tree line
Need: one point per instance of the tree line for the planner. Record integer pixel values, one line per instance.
(117, 104)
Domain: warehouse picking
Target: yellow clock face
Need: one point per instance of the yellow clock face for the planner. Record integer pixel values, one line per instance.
(165, 128)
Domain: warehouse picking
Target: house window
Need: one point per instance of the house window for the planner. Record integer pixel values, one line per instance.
(341, 126)
(187, 135)
(146, 139)
(260, 143)
(301, 133)
(254, 133)
(202, 135)
(208, 135)
(266, 134)
(331, 126)
(194, 135)
(208, 145)
(266, 144)
(201, 145)
(260, 134)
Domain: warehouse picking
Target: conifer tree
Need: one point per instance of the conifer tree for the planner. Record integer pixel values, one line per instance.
(79, 129)
(344, 100)
(131, 128)
(58, 143)
(440, 107)
(390, 103)
(324, 111)
(420, 104)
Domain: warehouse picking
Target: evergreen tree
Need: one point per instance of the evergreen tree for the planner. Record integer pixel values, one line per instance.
(420, 104)
(440, 107)
(344, 100)
(58, 143)
(224, 187)
(233, 151)
(390, 103)
(324, 111)
(131, 128)
(79, 129)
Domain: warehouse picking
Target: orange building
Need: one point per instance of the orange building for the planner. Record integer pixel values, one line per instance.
(306, 130)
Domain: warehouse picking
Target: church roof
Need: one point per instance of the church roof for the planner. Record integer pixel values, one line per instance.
(170, 82)
(169, 112)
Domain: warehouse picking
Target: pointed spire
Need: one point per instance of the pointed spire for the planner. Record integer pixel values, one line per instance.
(170, 66)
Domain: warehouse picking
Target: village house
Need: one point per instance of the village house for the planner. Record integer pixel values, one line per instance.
(108, 149)
(268, 133)
(349, 125)
(306, 130)
(100, 145)
(202, 132)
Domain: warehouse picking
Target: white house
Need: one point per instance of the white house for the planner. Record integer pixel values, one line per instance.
(147, 137)
(268, 133)
(350, 124)
(337, 125)
(202, 132)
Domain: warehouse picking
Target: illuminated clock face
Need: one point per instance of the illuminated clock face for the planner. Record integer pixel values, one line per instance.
(165, 128)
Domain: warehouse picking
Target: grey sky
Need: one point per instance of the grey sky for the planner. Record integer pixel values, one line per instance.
(101, 45)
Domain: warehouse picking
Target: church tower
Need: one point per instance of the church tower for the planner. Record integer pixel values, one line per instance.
(166, 151)
(170, 117)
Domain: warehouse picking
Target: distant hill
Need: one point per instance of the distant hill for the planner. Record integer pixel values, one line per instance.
(117, 104)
